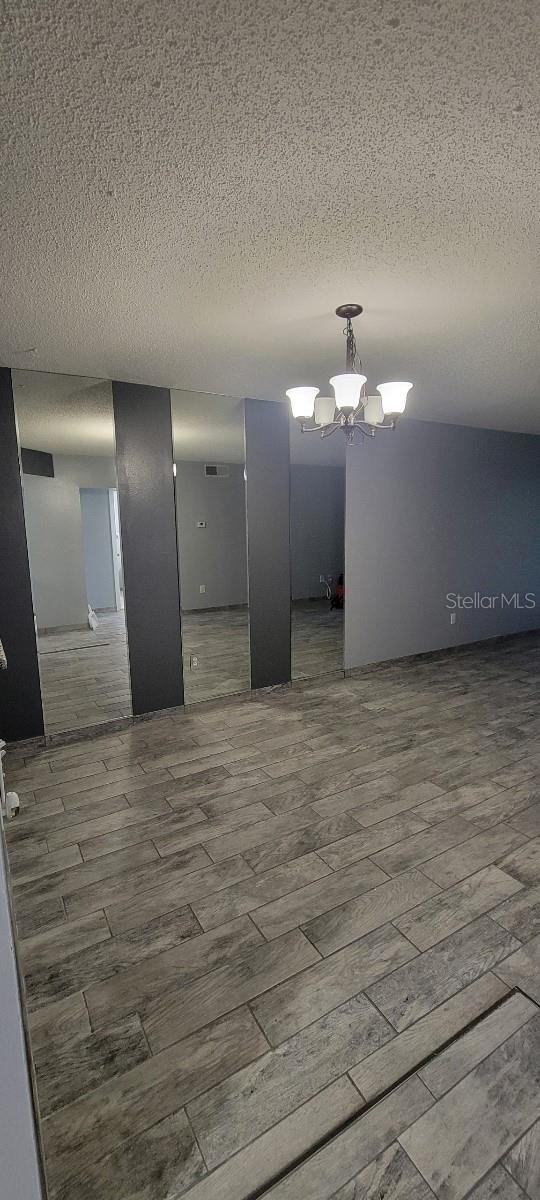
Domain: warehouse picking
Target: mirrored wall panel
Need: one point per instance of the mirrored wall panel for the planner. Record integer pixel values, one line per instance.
(209, 457)
(66, 435)
(317, 552)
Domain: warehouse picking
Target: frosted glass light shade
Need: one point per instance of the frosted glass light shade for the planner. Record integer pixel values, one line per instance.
(325, 410)
(394, 397)
(347, 389)
(373, 410)
(302, 402)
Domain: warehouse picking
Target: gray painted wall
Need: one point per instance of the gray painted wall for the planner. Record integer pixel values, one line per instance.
(54, 532)
(317, 527)
(214, 556)
(433, 509)
(98, 547)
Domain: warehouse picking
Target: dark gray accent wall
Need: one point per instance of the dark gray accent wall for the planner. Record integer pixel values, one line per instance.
(37, 462)
(21, 713)
(144, 460)
(269, 576)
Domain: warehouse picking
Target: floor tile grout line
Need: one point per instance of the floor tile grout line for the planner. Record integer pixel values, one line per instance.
(362, 1111)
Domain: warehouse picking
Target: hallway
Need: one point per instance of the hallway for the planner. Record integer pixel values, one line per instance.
(240, 926)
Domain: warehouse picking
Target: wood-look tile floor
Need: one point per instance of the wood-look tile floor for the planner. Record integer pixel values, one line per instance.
(85, 673)
(239, 927)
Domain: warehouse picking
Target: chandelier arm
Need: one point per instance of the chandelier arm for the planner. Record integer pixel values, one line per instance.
(311, 428)
(327, 430)
(371, 427)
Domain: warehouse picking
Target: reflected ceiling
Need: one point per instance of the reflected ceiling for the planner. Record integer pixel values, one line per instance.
(66, 414)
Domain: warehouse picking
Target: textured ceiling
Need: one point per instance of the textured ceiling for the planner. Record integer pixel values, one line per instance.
(189, 189)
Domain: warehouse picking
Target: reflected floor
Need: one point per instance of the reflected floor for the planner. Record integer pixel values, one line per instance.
(219, 639)
(85, 675)
(316, 639)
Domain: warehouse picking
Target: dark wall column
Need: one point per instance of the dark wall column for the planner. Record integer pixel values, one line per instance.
(21, 713)
(267, 495)
(144, 459)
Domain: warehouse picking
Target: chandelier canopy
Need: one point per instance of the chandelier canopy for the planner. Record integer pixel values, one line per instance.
(346, 409)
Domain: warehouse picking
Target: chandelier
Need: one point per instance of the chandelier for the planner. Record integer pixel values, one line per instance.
(346, 408)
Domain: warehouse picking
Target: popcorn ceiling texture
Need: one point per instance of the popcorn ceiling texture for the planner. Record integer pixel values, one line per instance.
(189, 189)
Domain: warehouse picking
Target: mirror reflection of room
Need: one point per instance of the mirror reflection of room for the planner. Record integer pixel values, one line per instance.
(66, 436)
(209, 455)
(317, 553)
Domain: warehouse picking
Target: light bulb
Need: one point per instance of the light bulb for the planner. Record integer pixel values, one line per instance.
(347, 390)
(325, 410)
(302, 402)
(394, 397)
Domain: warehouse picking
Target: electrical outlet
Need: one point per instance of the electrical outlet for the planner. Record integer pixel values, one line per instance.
(452, 618)
(322, 578)
(201, 524)
(202, 588)
(193, 662)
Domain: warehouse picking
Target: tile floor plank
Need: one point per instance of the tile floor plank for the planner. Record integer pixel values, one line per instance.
(291, 1006)
(134, 989)
(260, 1161)
(162, 1161)
(522, 969)
(84, 1132)
(454, 1063)
(487, 847)
(497, 1185)
(390, 1174)
(439, 973)
(440, 1142)
(218, 991)
(523, 1161)
(437, 918)
(413, 851)
(308, 902)
(257, 890)
(225, 1118)
(180, 887)
(72, 1068)
(520, 914)
(101, 887)
(387, 1065)
(347, 922)
(344, 1160)
(48, 981)
(282, 849)
(364, 842)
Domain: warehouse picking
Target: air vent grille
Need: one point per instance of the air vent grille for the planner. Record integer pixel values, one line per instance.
(217, 470)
